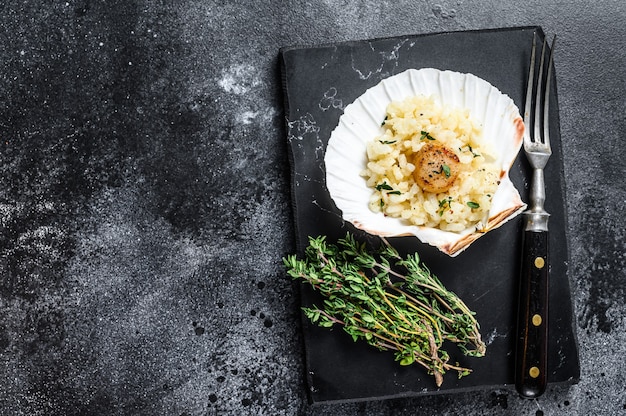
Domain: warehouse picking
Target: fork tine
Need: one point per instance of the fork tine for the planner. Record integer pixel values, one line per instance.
(529, 88)
(537, 122)
(546, 99)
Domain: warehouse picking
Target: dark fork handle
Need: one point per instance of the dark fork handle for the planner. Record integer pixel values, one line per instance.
(532, 342)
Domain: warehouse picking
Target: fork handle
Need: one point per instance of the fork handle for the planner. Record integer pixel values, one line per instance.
(532, 328)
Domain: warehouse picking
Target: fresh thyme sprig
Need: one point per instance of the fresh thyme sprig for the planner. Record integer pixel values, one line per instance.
(392, 303)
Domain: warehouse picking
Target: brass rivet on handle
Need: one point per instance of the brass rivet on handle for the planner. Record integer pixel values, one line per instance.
(539, 262)
(534, 372)
(537, 319)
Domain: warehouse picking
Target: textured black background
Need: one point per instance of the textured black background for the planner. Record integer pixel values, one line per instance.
(145, 205)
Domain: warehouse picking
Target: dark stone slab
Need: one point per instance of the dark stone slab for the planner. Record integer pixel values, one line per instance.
(485, 275)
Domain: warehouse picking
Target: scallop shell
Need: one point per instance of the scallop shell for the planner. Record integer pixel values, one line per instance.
(346, 158)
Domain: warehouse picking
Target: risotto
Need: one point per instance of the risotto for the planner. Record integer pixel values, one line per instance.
(430, 167)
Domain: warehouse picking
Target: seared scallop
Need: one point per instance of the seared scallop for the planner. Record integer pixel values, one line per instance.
(436, 168)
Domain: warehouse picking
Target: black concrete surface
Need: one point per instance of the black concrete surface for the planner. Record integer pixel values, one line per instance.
(145, 203)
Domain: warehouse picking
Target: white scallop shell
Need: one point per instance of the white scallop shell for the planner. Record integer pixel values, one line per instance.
(346, 157)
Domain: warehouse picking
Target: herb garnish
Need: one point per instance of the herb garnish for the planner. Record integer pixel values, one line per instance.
(390, 302)
(386, 187)
(446, 170)
(473, 204)
(471, 150)
(387, 141)
(426, 135)
(443, 204)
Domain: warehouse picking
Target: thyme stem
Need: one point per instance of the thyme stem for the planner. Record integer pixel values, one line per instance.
(412, 315)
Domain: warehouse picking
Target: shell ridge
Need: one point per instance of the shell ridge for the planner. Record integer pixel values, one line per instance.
(411, 76)
(386, 86)
(375, 111)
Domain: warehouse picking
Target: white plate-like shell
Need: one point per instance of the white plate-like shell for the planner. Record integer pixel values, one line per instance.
(346, 158)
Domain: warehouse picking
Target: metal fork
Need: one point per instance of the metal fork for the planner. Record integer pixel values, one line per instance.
(532, 341)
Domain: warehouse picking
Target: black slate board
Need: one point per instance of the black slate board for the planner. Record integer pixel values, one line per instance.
(318, 83)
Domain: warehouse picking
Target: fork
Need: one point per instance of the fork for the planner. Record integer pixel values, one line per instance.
(532, 321)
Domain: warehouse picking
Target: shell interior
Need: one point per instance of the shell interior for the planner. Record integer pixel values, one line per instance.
(346, 158)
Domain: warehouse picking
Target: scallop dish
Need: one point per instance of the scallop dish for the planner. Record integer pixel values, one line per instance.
(427, 153)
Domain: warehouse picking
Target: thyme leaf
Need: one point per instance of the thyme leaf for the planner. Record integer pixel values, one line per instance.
(426, 135)
(471, 150)
(384, 186)
(443, 205)
(445, 169)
